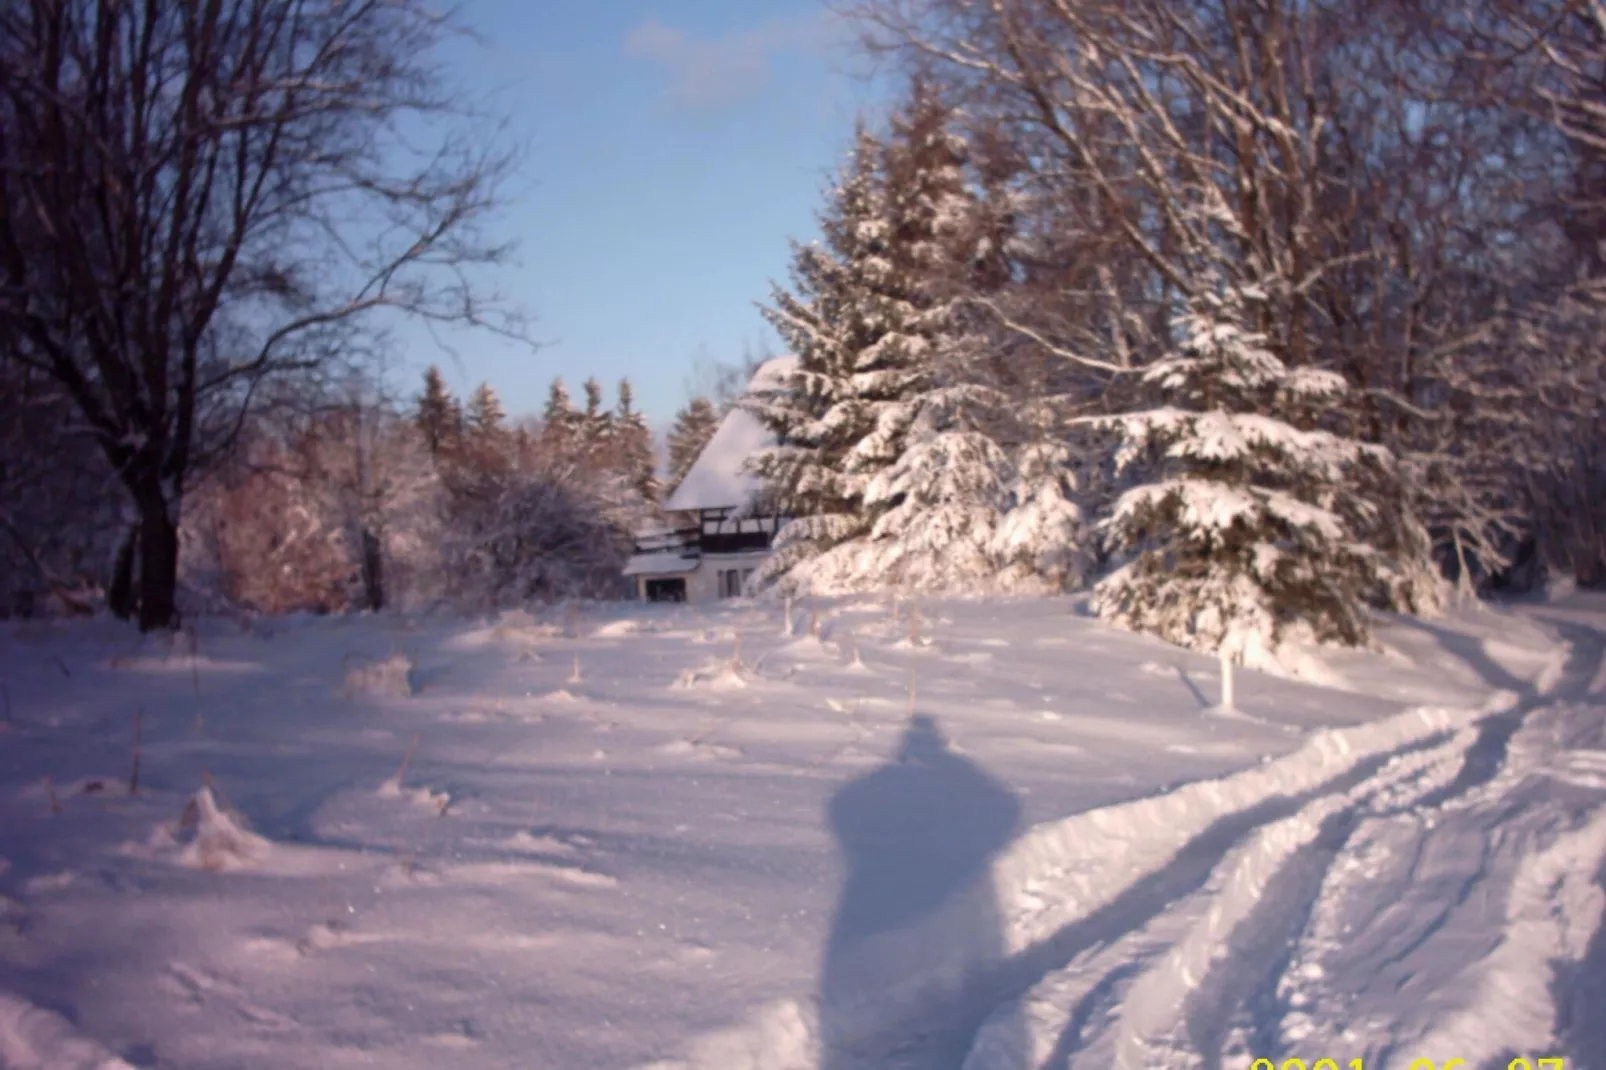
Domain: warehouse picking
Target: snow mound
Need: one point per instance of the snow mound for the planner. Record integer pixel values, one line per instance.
(781, 1036)
(84, 787)
(388, 677)
(32, 1038)
(221, 840)
(427, 797)
(809, 646)
(1297, 657)
(544, 843)
(616, 629)
(157, 664)
(723, 675)
(516, 627)
(696, 748)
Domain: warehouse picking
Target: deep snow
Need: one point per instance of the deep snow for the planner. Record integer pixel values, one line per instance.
(977, 834)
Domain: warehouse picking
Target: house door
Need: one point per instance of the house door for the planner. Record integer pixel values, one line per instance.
(673, 590)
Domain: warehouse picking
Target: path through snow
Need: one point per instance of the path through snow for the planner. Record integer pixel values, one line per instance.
(1427, 885)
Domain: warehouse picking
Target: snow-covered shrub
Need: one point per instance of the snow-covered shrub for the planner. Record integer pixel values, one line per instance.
(391, 676)
(544, 534)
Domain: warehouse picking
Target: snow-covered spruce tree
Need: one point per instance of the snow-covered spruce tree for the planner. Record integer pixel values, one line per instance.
(1245, 532)
(815, 412)
(694, 425)
(1042, 540)
(884, 451)
(938, 505)
(633, 443)
(485, 413)
(560, 422)
(596, 427)
(936, 479)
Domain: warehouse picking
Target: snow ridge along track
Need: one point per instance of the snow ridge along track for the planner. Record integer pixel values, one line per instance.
(1153, 933)
(1427, 902)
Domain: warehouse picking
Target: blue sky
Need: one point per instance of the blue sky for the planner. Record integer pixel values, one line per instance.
(672, 148)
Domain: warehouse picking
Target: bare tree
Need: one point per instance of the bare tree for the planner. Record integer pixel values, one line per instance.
(1386, 177)
(58, 501)
(199, 198)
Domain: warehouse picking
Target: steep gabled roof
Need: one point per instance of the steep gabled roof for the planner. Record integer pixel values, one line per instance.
(716, 479)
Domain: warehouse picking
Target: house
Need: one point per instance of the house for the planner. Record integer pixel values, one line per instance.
(726, 531)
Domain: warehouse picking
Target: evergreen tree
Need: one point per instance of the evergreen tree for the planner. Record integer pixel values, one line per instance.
(936, 478)
(815, 412)
(938, 504)
(560, 423)
(439, 418)
(1248, 530)
(694, 425)
(634, 439)
(485, 414)
(596, 427)
(1042, 539)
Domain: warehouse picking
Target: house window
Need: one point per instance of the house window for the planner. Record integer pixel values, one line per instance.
(733, 582)
(666, 590)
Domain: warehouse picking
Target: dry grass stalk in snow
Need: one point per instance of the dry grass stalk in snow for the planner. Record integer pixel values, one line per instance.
(401, 770)
(392, 788)
(222, 841)
(194, 644)
(133, 773)
(391, 676)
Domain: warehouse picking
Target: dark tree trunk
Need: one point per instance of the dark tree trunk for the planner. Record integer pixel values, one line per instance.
(373, 572)
(158, 566)
(121, 598)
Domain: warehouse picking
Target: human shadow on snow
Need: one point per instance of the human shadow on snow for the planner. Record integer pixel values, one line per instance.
(918, 915)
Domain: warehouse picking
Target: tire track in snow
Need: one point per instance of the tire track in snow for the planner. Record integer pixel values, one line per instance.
(1091, 901)
(1071, 886)
(1180, 1010)
(1469, 878)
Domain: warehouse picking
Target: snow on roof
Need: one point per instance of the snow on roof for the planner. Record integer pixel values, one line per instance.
(716, 479)
(660, 564)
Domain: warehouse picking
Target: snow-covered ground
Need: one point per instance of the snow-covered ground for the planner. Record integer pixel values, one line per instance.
(989, 835)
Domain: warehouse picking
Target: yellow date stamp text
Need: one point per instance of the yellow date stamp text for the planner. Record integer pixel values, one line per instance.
(1552, 1062)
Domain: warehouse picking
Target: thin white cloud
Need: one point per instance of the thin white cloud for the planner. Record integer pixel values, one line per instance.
(705, 73)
